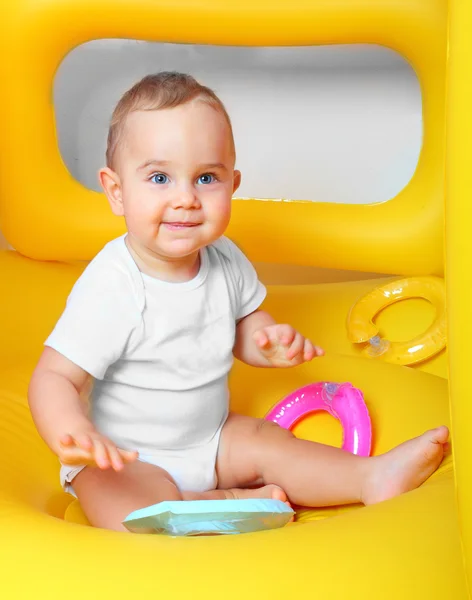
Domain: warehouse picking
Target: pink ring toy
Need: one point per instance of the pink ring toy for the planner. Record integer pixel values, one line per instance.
(342, 401)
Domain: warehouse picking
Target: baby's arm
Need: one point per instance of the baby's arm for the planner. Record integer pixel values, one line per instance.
(261, 342)
(60, 416)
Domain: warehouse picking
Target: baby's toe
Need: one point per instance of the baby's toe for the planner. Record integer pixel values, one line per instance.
(440, 435)
(277, 493)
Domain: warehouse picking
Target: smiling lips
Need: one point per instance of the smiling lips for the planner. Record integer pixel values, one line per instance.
(174, 226)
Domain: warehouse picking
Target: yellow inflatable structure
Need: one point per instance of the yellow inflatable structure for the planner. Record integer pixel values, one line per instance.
(418, 545)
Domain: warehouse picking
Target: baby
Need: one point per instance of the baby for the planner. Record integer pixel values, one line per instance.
(156, 319)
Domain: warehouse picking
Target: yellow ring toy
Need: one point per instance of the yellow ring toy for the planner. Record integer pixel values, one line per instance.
(362, 329)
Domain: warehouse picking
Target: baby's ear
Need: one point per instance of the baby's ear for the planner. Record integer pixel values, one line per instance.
(110, 182)
(236, 180)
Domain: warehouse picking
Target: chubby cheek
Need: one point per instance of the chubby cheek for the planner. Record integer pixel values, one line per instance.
(218, 212)
(142, 209)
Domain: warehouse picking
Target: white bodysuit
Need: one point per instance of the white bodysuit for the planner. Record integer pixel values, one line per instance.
(160, 354)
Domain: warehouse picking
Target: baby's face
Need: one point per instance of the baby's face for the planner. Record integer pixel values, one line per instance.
(176, 178)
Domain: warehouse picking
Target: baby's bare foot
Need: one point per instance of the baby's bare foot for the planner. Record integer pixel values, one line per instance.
(271, 491)
(268, 491)
(405, 467)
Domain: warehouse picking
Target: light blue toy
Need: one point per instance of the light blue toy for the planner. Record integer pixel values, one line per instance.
(210, 517)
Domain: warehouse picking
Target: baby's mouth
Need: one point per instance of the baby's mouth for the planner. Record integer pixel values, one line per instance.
(179, 225)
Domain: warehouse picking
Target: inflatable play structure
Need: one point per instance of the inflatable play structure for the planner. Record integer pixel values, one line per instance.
(418, 545)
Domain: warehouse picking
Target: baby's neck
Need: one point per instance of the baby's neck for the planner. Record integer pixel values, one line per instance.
(173, 271)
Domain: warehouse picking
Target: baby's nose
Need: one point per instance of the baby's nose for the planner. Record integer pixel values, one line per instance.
(185, 198)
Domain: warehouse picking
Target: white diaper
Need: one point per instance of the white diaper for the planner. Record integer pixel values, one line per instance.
(193, 469)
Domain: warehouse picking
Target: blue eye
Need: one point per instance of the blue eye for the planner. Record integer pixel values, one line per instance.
(205, 179)
(159, 178)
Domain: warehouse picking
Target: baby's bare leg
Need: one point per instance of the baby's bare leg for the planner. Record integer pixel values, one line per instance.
(258, 452)
(107, 497)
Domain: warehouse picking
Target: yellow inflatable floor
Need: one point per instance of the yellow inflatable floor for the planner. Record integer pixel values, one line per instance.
(406, 547)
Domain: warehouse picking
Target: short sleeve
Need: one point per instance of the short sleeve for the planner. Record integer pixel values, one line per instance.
(251, 291)
(98, 321)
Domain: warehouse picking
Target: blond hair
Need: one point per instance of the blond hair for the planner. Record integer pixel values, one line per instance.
(159, 91)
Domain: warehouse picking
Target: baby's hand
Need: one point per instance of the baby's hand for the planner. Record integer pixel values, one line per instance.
(93, 449)
(283, 346)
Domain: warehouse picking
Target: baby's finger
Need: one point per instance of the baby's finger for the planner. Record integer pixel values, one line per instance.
(101, 455)
(319, 351)
(286, 334)
(67, 440)
(261, 339)
(115, 457)
(84, 441)
(296, 348)
(309, 351)
(128, 455)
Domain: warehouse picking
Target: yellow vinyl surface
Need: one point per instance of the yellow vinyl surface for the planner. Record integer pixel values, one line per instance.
(416, 546)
